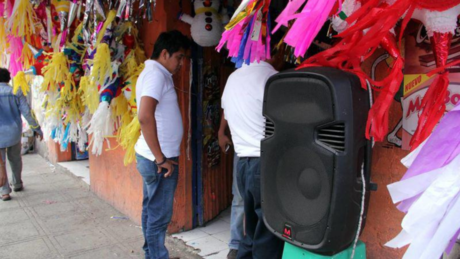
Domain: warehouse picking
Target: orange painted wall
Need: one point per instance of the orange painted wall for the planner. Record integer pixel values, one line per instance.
(121, 185)
(383, 219)
(55, 155)
(117, 184)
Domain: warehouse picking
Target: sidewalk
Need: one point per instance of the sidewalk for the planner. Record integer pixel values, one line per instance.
(212, 239)
(56, 216)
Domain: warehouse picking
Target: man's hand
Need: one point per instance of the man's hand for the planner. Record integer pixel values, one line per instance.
(169, 166)
(224, 141)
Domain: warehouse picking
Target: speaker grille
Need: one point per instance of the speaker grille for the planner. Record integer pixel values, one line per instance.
(333, 136)
(269, 128)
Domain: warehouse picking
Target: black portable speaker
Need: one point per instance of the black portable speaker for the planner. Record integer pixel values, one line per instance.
(312, 156)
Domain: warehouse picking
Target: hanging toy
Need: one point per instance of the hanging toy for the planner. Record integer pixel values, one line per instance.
(71, 114)
(15, 50)
(371, 26)
(102, 124)
(14, 44)
(130, 133)
(120, 106)
(86, 16)
(342, 57)
(49, 23)
(429, 193)
(130, 63)
(57, 76)
(101, 68)
(20, 82)
(40, 59)
(247, 35)
(105, 77)
(207, 25)
(120, 109)
(62, 8)
(22, 19)
(307, 24)
(107, 26)
(42, 14)
(124, 105)
(89, 95)
(128, 34)
(67, 13)
(3, 36)
(440, 27)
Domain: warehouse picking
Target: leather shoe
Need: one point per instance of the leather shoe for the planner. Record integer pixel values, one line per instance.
(232, 254)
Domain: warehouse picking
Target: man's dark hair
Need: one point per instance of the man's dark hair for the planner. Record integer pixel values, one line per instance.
(279, 34)
(275, 40)
(5, 76)
(171, 41)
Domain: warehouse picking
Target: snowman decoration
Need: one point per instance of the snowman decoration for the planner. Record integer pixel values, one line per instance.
(208, 24)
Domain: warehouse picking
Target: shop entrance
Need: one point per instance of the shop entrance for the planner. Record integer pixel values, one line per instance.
(212, 169)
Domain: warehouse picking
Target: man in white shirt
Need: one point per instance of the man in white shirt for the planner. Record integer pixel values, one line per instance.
(237, 209)
(158, 147)
(242, 103)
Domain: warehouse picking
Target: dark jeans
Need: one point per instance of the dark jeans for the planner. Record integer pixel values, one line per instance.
(157, 206)
(259, 242)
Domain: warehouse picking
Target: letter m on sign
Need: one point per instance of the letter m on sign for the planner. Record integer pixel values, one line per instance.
(287, 232)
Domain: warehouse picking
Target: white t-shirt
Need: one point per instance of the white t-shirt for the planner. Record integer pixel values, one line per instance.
(242, 103)
(155, 81)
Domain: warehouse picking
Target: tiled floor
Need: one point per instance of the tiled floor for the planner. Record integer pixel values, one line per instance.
(212, 239)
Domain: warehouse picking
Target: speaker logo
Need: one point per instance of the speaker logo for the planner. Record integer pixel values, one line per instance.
(287, 232)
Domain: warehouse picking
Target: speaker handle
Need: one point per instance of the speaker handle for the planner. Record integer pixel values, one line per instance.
(368, 166)
(369, 145)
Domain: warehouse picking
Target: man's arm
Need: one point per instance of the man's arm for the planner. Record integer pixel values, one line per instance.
(2, 172)
(29, 115)
(150, 133)
(224, 140)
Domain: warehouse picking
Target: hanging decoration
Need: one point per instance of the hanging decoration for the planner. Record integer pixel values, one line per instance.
(348, 55)
(22, 19)
(129, 133)
(429, 193)
(307, 24)
(440, 27)
(247, 35)
(207, 25)
(211, 118)
(89, 62)
(362, 30)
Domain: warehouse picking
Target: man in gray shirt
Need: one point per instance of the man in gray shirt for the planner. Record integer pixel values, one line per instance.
(11, 108)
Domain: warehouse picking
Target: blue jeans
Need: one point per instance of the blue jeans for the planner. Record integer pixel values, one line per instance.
(157, 206)
(237, 214)
(259, 242)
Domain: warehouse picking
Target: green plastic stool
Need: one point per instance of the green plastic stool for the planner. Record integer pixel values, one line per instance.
(294, 252)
